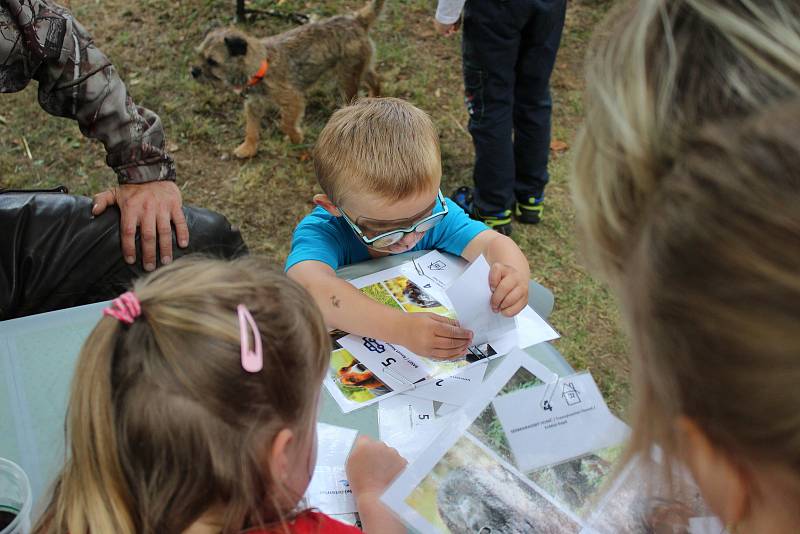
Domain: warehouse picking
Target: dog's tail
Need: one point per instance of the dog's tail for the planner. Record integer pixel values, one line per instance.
(367, 14)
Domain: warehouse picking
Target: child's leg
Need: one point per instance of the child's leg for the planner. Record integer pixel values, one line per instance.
(490, 41)
(532, 104)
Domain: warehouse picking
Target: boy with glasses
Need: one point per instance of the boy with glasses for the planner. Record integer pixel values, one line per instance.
(378, 164)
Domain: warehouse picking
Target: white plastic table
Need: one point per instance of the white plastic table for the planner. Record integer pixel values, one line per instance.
(38, 354)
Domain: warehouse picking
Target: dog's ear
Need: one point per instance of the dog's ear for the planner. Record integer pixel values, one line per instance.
(236, 46)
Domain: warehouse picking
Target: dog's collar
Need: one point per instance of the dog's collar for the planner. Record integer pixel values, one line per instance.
(258, 76)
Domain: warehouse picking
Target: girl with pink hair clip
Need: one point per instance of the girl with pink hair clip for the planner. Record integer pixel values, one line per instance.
(193, 410)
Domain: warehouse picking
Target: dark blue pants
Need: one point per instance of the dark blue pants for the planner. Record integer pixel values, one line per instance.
(509, 48)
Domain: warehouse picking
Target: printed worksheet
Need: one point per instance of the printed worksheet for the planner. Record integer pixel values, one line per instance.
(329, 491)
(364, 370)
(471, 296)
(462, 483)
(409, 424)
(453, 390)
(534, 453)
(570, 414)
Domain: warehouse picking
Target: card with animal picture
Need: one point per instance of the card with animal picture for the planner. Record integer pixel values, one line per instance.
(352, 384)
(466, 482)
(364, 370)
(542, 469)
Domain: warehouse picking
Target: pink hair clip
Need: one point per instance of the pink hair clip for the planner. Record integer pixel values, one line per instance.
(252, 362)
(125, 308)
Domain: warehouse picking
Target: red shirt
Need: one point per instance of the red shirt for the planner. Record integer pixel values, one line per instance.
(312, 523)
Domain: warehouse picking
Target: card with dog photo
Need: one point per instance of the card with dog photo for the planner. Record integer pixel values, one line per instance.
(352, 384)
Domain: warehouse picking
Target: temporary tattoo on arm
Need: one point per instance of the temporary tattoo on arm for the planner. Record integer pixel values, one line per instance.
(335, 301)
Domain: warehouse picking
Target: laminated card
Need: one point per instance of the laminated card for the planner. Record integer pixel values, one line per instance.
(364, 370)
(532, 453)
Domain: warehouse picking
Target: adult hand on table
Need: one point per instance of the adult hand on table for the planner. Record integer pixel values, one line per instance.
(155, 207)
(429, 334)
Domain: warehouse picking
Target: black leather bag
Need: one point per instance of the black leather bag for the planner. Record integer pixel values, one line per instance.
(54, 254)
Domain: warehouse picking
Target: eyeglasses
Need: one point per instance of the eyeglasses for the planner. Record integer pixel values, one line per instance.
(387, 239)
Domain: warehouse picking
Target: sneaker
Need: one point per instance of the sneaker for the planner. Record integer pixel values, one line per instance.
(530, 211)
(497, 221)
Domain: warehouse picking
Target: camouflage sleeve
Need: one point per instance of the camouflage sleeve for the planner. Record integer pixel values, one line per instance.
(42, 41)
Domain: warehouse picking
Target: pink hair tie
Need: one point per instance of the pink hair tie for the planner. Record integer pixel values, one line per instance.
(252, 362)
(125, 308)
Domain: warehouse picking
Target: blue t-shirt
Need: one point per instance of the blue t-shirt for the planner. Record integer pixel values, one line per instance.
(322, 237)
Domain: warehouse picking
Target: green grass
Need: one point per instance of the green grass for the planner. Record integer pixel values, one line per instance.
(152, 46)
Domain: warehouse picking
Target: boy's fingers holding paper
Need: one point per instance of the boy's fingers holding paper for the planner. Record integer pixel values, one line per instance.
(447, 354)
(513, 302)
(496, 273)
(500, 293)
(450, 329)
(451, 345)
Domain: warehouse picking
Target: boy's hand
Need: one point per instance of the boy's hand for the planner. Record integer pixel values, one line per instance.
(509, 289)
(372, 466)
(428, 334)
(447, 29)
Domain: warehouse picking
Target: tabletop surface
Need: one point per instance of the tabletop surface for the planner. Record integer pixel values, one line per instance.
(37, 357)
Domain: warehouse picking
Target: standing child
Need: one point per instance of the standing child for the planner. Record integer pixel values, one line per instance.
(193, 410)
(509, 49)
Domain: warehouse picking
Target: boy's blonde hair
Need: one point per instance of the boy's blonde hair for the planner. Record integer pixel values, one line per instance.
(687, 191)
(164, 423)
(384, 146)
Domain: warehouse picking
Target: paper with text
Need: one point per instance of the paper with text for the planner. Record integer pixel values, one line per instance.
(470, 295)
(363, 370)
(329, 489)
(408, 424)
(456, 389)
(571, 417)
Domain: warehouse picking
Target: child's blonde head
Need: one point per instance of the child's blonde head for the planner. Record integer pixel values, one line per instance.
(687, 193)
(383, 146)
(164, 423)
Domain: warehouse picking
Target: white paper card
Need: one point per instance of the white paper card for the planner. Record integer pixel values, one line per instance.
(455, 455)
(334, 444)
(456, 389)
(408, 424)
(447, 409)
(390, 363)
(706, 525)
(329, 490)
(569, 416)
(531, 329)
(471, 296)
(440, 269)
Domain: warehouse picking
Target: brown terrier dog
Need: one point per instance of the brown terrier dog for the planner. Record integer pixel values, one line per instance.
(283, 67)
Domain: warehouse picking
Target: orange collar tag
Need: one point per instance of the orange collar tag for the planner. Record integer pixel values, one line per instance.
(258, 76)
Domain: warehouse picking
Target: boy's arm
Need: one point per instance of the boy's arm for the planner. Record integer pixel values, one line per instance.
(346, 308)
(510, 274)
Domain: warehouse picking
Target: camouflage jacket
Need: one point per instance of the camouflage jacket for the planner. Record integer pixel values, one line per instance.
(42, 41)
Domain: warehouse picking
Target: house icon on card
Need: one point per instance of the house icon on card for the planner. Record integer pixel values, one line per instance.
(570, 394)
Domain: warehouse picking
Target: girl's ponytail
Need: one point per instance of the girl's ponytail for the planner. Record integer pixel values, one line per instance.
(90, 495)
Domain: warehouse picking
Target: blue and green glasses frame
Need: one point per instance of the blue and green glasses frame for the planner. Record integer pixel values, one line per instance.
(387, 239)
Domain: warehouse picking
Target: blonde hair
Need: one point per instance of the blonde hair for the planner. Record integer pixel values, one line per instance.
(384, 146)
(687, 189)
(164, 423)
